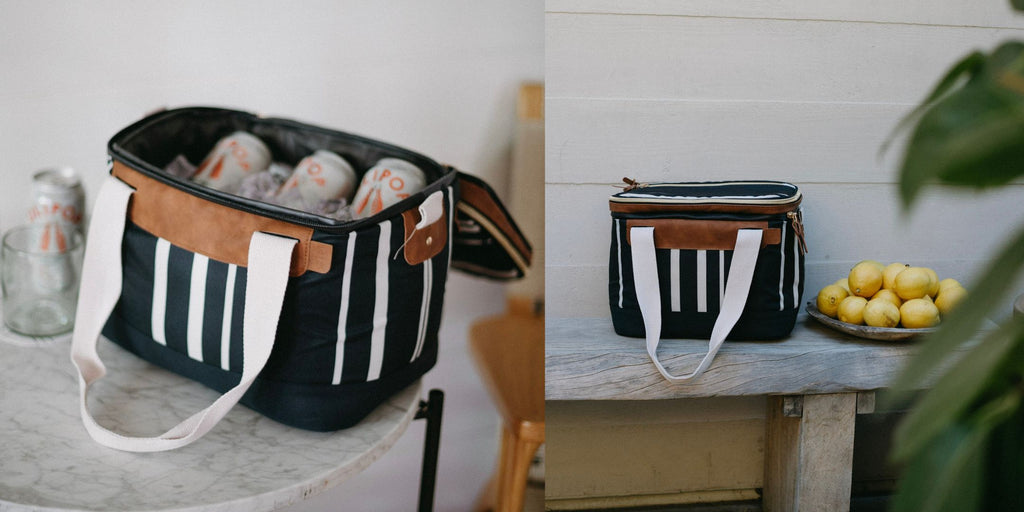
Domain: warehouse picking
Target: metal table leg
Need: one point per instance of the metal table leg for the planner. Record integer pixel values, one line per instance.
(430, 410)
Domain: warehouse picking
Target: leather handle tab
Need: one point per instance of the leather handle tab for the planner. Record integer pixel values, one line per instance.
(693, 234)
(214, 230)
(427, 242)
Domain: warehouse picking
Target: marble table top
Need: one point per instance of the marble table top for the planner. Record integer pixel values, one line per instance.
(48, 462)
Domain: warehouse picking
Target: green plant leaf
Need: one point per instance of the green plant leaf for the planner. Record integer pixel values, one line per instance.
(957, 451)
(1017, 4)
(957, 390)
(949, 475)
(970, 138)
(963, 323)
(969, 65)
(1004, 468)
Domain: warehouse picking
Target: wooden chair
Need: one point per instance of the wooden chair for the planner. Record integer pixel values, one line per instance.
(509, 355)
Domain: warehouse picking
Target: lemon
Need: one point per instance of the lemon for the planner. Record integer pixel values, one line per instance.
(933, 290)
(949, 281)
(865, 278)
(872, 263)
(888, 295)
(829, 298)
(842, 283)
(889, 275)
(913, 283)
(919, 313)
(881, 313)
(949, 297)
(851, 310)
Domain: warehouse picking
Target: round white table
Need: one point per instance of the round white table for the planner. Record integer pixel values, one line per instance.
(247, 463)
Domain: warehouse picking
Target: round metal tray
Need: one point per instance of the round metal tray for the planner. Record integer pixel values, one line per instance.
(866, 331)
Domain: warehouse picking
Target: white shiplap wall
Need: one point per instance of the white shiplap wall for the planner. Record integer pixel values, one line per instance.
(792, 90)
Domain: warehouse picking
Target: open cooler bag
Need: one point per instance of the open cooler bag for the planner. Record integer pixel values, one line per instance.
(310, 321)
(710, 260)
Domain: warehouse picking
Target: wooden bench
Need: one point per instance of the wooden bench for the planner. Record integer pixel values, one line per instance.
(816, 381)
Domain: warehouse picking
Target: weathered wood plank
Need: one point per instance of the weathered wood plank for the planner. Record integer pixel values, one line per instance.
(586, 360)
(781, 456)
(809, 459)
(826, 453)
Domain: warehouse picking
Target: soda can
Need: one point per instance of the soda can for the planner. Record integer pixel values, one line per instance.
(322, 176)
(58, 197)
(233, 158)
(389, 181)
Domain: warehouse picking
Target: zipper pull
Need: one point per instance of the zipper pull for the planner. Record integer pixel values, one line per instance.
(631, 184)
(796, 218)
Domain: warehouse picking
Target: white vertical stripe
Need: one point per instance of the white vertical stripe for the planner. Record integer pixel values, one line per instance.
(196, 306)
(796, 273)
(702, 281)
(229, 309)
(451, 224)
(421, 333)
(673, 278)
(346, 289)
(380, 304)
(618, 246)
(163, 252)
(721, 279)
(782, 268)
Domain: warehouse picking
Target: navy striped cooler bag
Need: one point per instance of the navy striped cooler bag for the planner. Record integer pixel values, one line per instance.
(311, 321)
(711, 260)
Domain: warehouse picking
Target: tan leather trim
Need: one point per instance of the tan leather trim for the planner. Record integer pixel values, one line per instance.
(481, 201)
(426, 243)
(710, 208)
(712, 235)
(211, 229)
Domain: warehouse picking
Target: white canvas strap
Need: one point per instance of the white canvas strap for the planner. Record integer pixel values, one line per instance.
(645, 278)
(268, 264)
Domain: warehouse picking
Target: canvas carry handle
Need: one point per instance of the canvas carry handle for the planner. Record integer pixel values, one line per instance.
(268, 263)
(645, 278)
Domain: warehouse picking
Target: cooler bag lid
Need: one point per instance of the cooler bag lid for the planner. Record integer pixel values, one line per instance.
(750, 197)
(486, 242)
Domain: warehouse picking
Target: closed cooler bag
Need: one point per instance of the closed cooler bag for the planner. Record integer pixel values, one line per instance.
(712, 260)
(308, 320)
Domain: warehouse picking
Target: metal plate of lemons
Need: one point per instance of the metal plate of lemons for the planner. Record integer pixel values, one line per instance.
(866, 331)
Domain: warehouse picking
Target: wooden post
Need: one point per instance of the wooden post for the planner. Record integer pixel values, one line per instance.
(809, 459)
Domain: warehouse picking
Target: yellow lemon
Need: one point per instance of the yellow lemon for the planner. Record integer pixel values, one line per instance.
(888, 295)
(913, 283)
(949, 281)
(889, 275)
(872, 263)
(829, 298)
(842, 283)
(933, 290)
(949, 297)
(851, 310)
(865, 278)
(918, 313)
(881, 313)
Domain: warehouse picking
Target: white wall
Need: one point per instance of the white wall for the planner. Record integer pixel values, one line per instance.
(439, 77)
(793, 90)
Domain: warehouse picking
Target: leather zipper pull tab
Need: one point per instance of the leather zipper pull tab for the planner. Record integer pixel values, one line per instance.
(796, 218)
(631, 184)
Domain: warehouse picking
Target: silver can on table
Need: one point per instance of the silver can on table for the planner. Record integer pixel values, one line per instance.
(57, 197)
(58, 207)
